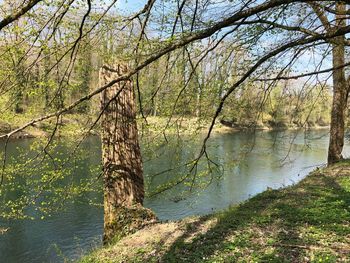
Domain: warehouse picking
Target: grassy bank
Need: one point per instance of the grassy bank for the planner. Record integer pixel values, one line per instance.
(69, 125)
(76, 124)
(308, 222)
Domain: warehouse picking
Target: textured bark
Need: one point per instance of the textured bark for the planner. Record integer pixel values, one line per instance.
(123, 178)
(340, 95)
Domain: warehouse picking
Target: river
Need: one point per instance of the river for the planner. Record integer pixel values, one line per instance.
(277, 159)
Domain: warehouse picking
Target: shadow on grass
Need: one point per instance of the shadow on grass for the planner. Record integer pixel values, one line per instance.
(302, 223)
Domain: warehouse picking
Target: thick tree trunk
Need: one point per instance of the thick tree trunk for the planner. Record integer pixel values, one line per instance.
(336, 141)
(123, 178)
(340, 95)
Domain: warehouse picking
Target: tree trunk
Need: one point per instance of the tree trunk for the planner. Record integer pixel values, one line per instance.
(340, 95)
(123, 178)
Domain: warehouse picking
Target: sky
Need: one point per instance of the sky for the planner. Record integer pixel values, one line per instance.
(128, 6)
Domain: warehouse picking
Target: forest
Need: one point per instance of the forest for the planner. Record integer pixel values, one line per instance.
(174, 131)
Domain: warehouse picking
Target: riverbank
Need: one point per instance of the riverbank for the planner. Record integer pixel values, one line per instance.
(69, 125)
(191, 125)
(307, 222)
(77, 124)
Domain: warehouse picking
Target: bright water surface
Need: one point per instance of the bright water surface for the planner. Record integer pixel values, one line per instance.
(70, 234)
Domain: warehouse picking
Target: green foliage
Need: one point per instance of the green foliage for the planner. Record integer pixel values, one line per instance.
(37, 185)
(279, 107)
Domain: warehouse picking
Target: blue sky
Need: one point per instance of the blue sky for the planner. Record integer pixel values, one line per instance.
(129, 6)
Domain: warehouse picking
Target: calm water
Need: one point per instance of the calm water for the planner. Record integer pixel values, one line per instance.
(277, 159)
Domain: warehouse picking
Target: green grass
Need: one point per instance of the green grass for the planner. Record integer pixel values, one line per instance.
(308, 222)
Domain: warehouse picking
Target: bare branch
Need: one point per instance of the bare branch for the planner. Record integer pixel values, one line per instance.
(13, 17)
